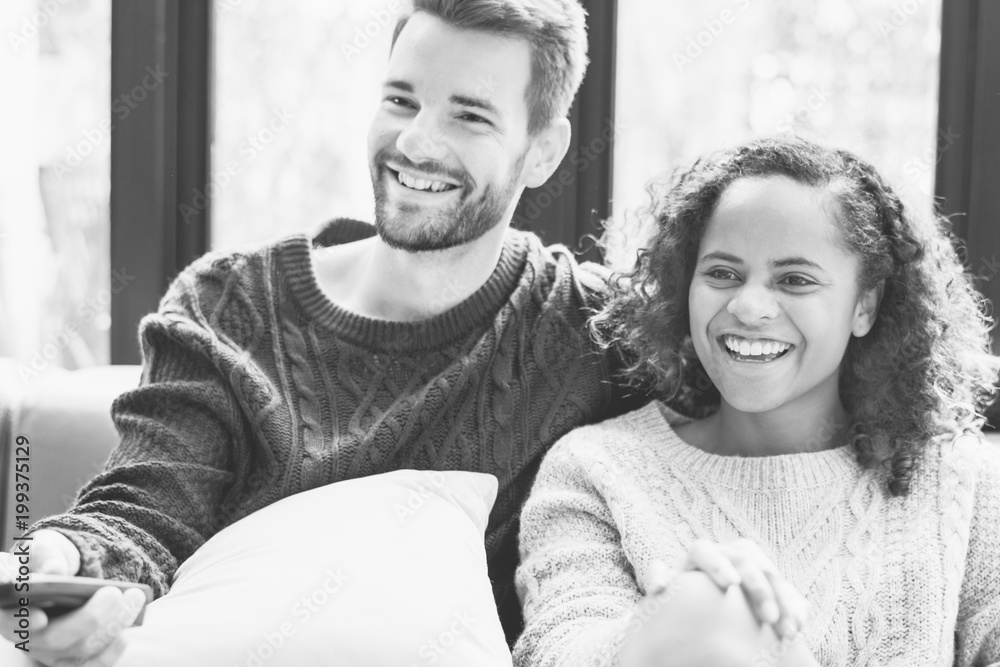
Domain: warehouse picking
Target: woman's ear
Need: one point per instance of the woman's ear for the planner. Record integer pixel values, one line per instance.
(866, 310)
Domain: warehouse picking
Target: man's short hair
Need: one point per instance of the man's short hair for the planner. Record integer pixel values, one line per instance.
(556, 31)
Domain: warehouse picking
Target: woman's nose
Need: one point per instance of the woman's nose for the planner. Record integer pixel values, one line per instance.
(751, 304)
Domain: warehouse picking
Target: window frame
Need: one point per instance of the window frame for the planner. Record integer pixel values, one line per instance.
(968, 147)
(160, 151)
(159, 154)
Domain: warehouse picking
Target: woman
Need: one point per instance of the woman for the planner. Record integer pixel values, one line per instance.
(836, 357)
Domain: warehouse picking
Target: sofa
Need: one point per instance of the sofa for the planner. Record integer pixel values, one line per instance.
(65, 419)
(230, 600)
(65, 416)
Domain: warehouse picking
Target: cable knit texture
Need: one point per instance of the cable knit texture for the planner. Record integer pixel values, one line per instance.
(256, 386)
(899, 582)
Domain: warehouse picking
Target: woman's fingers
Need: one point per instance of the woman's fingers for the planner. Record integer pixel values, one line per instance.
(794, 609)
(709, 558)
(658, 578)
(757, 586)
(773, 600)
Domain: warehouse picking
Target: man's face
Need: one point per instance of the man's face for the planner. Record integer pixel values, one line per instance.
(447, 146)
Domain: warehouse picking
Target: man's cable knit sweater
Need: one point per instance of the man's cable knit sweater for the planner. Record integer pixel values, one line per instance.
(900, 582)
(256, 386)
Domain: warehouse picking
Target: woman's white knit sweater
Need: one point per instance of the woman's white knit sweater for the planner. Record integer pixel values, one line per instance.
(906, 581)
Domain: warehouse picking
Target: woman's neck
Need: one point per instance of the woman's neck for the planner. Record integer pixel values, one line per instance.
(793, 428)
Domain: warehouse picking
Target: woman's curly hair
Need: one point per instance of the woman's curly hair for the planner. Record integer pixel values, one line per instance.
(923, 371)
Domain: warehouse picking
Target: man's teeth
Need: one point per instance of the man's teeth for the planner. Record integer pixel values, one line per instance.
(754, 348)
(421, 183)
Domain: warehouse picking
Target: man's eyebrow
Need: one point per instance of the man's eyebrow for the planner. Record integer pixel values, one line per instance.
(475, 102)
(778, 263)
(460, 100)
(397, 83)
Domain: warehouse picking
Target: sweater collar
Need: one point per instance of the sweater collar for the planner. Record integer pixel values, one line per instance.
(749, 473)
(295, 261)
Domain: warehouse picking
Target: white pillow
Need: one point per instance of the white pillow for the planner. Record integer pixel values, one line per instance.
(382, 570)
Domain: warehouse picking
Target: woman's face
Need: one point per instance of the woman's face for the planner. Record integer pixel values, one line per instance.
(774, 298)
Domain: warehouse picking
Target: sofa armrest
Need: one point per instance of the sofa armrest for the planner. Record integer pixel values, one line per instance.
(66, 419)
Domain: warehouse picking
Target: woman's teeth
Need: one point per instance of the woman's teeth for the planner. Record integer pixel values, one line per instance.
(755, 350)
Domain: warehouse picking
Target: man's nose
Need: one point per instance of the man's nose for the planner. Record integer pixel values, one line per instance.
(422, 139)
(752, 304)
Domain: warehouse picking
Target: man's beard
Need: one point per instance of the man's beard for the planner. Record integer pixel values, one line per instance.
(416, 229)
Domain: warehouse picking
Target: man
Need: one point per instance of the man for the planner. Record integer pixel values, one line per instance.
(440, 339)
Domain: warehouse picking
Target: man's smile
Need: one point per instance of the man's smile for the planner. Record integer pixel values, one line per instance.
(416, 181)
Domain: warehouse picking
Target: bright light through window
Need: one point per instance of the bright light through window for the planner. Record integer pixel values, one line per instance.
(697, 76)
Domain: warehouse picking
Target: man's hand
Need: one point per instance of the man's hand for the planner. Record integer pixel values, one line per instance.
(87, 637)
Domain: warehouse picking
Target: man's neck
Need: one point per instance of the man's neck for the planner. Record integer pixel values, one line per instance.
(374, 280)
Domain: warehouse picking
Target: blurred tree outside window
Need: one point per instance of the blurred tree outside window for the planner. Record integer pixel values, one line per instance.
(297, 84)
(54, 184)
(693, 77)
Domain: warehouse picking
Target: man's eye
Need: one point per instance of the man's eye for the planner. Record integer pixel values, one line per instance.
(474, 118)
(399, 101)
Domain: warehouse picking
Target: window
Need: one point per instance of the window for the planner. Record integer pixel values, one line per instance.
(297, 84)
(55, 277)
(761, 65)
(695, 77)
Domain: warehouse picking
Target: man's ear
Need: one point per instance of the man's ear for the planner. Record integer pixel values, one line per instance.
(866, 310)
(545, 152)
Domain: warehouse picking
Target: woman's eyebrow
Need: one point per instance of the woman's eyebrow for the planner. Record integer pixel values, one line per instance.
(723, 256)
(777, 263)
(795, 261)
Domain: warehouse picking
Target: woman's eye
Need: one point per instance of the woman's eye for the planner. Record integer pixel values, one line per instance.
(798, 281)
(721, 274)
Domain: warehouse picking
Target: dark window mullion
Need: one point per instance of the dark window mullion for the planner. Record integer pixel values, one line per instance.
(571, 205)
(161, 68)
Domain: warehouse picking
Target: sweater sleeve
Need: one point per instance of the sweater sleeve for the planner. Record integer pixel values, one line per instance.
(157, 499)
(577, 591)
(978, 627)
